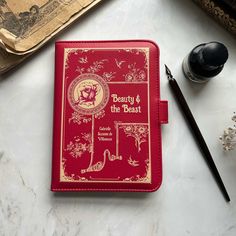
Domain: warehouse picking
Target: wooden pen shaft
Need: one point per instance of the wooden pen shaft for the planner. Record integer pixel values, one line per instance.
(197, 134)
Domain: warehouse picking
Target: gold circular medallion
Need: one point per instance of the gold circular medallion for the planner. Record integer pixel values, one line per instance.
(88, 94)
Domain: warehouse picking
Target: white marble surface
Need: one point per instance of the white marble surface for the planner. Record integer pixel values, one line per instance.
(189, 201)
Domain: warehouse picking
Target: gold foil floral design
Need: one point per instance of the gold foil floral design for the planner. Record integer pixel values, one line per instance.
(108, 76)
(83, 60)
(96, 66)
(78, 118)
(135, 74)
(138, 132)
(80, 70)
(228, 139)
(80, 145)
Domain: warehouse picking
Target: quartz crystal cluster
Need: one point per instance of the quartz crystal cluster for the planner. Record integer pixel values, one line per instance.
(228, 139)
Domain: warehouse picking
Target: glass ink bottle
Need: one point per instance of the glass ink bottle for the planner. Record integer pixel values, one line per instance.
(205, 61)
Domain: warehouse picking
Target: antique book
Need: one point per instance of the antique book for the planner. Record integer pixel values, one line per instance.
(27, 25)
(107, 116)
(223, 11)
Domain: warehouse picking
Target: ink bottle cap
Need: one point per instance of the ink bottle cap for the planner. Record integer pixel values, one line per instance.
(205, 61)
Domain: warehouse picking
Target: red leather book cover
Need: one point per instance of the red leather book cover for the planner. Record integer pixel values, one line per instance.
(107, 116)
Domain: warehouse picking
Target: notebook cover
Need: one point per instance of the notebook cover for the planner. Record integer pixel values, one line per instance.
(107, 116)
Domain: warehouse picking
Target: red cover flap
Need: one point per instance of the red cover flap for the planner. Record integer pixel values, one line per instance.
(107, 116)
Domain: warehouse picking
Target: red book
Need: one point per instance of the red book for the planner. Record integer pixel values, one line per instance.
(107, 117)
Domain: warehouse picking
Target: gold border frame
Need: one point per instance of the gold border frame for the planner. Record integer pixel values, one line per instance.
(63, 177)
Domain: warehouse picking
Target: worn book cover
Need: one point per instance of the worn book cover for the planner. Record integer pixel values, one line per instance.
(27, 25)
(107, 116)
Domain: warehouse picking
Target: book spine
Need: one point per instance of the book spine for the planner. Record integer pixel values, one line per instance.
(219, 13)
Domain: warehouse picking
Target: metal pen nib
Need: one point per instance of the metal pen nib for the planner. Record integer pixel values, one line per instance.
(168, 72)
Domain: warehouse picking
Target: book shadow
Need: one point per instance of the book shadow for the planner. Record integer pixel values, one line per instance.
(120, 195)
(105, 200)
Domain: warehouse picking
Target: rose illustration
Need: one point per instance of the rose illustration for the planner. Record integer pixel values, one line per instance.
(87, 94)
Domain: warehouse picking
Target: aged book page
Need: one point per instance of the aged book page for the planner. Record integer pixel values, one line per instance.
(10, 58)
(26, 24)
